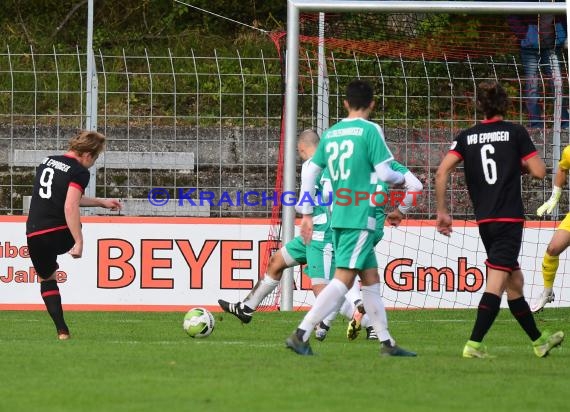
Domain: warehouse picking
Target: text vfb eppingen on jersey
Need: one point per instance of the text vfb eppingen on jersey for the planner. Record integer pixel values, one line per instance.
(160, 196)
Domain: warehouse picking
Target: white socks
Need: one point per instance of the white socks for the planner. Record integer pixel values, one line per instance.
(328, 320)
(376, 311)
(263, 288)
(347, 309)
(328, 300)
(354, 292)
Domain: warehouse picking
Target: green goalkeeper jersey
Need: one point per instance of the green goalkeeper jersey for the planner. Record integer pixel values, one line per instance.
(350, 150)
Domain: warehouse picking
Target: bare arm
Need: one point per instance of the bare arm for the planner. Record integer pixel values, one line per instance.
(71, 211)
(446, 166)
(560, 177)
(112, 204)
(536, 167)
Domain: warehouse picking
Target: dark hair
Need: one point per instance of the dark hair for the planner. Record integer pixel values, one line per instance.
(359, 94)
(492, 99)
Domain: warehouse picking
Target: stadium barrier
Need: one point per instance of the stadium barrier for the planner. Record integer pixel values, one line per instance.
(169, 264)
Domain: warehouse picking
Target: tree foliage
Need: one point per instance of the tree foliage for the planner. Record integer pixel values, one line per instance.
(136, 24)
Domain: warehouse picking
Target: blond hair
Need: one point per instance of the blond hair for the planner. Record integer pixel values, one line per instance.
(87, 142)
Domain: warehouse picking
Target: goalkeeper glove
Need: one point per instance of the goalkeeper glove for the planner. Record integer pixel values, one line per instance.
(551, 203)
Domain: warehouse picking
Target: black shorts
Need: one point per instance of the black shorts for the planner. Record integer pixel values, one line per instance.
(502, 241)
(45, 248)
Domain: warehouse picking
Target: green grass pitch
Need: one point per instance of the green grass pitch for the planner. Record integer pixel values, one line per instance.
(126, 361)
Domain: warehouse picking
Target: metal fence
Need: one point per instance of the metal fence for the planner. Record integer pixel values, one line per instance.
(209, 125)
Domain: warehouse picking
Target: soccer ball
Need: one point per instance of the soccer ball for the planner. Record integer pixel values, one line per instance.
(198, 323)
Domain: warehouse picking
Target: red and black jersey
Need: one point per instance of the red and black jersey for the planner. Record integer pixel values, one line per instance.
(53, 177)
(492, 152)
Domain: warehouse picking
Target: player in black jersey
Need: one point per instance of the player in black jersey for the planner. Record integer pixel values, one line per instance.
(493, 152)
(53, 226)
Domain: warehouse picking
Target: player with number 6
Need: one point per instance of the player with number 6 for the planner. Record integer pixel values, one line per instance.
(492, 152)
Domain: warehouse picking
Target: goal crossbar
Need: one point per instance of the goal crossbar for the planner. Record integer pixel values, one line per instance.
(470, 7)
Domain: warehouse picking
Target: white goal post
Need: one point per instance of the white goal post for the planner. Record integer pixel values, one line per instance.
(295, 7)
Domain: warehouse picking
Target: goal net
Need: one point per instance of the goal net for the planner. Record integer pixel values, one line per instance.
(425, 67)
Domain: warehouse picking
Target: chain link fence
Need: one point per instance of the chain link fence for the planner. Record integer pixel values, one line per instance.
(201, 134)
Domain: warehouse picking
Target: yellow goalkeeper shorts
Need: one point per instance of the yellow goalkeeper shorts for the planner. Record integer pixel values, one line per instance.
(565, 224)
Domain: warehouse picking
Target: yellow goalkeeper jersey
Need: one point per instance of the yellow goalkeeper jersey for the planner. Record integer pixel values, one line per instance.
(565, 158)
